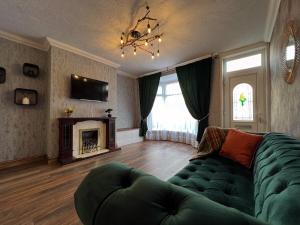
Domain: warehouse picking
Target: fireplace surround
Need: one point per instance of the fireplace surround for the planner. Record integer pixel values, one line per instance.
(72, 131)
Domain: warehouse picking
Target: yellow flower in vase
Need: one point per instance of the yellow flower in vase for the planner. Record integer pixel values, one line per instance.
(242, 99)
(69, 111)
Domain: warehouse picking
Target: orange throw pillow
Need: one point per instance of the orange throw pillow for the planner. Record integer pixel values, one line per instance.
(240, 147)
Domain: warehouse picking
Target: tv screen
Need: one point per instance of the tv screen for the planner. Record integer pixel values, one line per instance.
(88, 89)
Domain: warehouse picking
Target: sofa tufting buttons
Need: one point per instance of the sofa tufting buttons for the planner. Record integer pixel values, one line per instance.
(227, 192)
(272, 160)
(192, 169)
(281, 188)
(268, 154)
(183, 176)
(274, 171)
(200, 189)
(230, 181)
(126, 182)
(172, 211)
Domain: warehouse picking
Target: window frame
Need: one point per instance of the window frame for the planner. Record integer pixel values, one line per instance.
(226, 60)
(163, 86)
(188, 124)
(263, 77)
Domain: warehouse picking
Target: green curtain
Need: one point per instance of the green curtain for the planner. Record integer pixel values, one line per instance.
(194, 80)
(148, 86)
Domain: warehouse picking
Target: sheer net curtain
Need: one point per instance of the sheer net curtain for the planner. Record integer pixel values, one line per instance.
(170, 119)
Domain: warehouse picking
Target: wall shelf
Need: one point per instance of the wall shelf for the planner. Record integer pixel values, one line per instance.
(26, 97)
(31, 70)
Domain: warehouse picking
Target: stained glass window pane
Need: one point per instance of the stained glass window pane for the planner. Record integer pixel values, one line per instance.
(242, 102)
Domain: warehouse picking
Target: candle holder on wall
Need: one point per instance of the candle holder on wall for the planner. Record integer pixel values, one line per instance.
(26, 97)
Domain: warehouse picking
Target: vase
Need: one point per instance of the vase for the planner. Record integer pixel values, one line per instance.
(69, 114)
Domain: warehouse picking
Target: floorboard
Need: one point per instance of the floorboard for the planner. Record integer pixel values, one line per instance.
(43, 194)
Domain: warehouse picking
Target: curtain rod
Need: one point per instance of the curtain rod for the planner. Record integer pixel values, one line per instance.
(171, 68)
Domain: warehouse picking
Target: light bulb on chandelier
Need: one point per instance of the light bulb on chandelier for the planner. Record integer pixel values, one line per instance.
(149, 28)
(134, 51)
(157, 53)
(122, 41)
(123, 54)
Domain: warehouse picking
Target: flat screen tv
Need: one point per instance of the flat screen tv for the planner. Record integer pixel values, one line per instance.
(84, 88)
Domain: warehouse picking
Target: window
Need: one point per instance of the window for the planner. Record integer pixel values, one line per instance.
(169, 111)
(242, 102)
(290, 52)
(243, 63)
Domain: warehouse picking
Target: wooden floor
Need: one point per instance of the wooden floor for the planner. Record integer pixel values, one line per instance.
(43, 194)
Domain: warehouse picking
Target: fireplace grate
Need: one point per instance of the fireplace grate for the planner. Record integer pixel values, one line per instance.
(89, 141)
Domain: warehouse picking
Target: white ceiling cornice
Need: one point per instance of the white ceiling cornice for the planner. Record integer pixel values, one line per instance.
(271, 18)
(125, 74)
(172, 68)
(52, 42)
(61, 45)
(22, 40)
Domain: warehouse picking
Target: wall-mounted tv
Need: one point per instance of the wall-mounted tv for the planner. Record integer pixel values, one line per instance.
(84, 88)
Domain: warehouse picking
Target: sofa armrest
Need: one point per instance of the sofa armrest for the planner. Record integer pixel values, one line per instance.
(115, 194)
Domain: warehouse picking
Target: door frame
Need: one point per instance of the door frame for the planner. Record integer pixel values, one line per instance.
(261, 47)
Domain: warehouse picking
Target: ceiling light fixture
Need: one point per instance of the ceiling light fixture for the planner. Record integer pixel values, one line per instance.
(142, 35)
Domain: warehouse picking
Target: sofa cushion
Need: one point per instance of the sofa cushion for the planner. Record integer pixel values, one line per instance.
(219, 179)
(277, 180)
(240, 146)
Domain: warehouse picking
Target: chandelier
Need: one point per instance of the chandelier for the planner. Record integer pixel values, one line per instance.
(144, 36)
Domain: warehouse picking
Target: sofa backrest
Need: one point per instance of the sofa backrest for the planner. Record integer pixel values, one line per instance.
(277, 180)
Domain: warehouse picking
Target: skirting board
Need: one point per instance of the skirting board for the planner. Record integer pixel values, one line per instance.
(52, 161)
(20, 162)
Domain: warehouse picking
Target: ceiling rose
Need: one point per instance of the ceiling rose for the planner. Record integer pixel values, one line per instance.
(143, 36)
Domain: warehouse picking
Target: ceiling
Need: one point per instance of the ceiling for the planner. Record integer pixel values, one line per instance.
(192, 28)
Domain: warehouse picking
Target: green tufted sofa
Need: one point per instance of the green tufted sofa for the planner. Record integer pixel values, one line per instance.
(208, 191)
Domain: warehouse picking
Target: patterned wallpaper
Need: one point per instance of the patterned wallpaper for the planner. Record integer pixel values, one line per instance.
(128, 106)
(215, 98)
(63, 64)
(21, 128)
(33, 131)
(285, 98)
